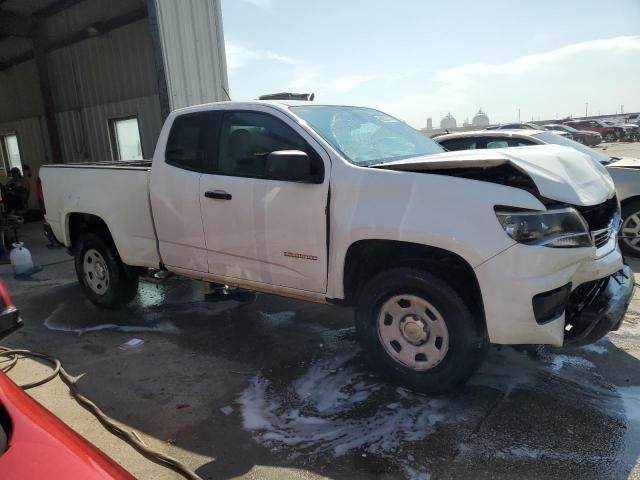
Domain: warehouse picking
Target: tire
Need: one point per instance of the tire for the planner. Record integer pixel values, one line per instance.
(105, 280)
(463, 341)
(630, 231)
(609, 137)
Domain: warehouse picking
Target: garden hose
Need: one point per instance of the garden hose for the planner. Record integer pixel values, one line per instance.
(11, 359)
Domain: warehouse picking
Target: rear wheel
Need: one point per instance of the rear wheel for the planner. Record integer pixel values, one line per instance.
(418, 331)
(106, 281)
(630, 232)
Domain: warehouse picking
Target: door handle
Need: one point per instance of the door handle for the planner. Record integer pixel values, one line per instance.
(218, 194)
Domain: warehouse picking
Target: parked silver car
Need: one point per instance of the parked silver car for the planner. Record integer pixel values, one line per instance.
(624, 171)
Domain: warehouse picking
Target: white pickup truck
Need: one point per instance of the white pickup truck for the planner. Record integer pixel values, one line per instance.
(440, 253)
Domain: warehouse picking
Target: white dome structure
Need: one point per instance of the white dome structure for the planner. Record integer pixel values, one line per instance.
(480, 119)
(448, 121)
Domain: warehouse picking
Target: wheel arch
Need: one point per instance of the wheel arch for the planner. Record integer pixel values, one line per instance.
(366, 258)
(78, 223)
(628, 200)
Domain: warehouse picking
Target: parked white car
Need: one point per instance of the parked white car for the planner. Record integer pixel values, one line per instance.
(624, 171)
(440, 253)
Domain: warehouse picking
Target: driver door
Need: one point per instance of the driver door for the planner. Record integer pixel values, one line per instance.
(258, 229)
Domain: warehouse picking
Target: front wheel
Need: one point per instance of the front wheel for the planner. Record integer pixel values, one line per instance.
(106, 281)
(630, 231)
(418, 331)
(609, 137)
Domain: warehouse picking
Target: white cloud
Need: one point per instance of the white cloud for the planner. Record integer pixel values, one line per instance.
(348, 83)
(305, 78)
(312, 78)
(259, 3)
(602, 72)
(239, 56)
(528, 63)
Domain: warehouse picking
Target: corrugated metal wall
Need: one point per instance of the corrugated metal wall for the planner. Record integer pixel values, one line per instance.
(193, 50)
(85, 134)
(105, 77)
(108, 68)
(113, 75)
(85, 13)
(20, 92)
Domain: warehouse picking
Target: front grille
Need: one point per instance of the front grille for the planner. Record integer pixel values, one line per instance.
(603, 220)
(601, 237)
(599, 216)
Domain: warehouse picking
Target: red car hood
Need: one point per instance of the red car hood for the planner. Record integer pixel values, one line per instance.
(41, 446)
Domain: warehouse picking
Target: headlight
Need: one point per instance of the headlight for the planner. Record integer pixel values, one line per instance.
(563, 228)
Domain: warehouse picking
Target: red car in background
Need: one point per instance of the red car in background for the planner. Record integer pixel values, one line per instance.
(34, 443)
(609, 133)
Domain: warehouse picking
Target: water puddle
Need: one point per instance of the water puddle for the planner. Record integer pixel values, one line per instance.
(338, 407)
(55, 321)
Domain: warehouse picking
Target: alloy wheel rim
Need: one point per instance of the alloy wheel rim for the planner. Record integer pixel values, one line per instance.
(631, 231)
(413, 332)
(96, 272)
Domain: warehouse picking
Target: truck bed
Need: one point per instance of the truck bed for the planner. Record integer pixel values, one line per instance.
(116, 165)
(116, 192)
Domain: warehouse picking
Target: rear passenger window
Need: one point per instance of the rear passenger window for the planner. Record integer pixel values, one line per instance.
(497, 144)
(185, 144)
(459, 144)
(247, 138)
(520, 142)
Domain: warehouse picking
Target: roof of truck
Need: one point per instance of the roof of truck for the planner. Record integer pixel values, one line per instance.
(275, 103)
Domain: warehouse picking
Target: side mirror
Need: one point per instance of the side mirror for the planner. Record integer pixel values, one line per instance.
(289, 166)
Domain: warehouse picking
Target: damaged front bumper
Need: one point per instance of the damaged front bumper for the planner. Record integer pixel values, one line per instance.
(513, 281)
(598, 307)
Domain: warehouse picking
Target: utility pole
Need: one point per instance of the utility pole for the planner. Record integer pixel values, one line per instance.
(518, 114)
(586, 109)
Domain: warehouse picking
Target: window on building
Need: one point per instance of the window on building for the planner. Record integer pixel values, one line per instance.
(10, 151)
(247, 139)
(125, 138)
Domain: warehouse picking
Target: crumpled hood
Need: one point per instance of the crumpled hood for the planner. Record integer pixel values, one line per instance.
(559, 173)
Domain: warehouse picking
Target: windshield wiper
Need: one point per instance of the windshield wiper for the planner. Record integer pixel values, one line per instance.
(375, 164)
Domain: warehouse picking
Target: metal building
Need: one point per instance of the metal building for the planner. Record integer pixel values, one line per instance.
(93, 80)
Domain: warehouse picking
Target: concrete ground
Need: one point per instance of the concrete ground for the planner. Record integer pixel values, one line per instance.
(620, 149)
(279, 389)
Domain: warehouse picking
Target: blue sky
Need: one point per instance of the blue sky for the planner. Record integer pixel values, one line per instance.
(417, 58)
